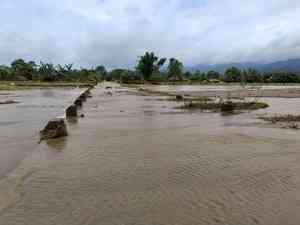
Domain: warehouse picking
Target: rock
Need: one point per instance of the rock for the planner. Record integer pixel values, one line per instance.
(71, 111)
(78, 102)
(82, 115)
(82, 97)
(8, 102)
(88, 94)
(54, 129)
(108, 87)
(179, 97)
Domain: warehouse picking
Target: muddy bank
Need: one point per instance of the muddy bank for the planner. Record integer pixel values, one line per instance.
(227, 106)
(225, 91)
(17, 85)
(8, 102)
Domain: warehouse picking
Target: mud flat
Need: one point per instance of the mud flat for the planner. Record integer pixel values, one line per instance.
(136, 160)
(235, 91)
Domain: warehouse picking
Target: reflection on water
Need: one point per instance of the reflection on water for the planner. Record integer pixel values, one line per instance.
(137, 161)
(20, 123)
(57, 145)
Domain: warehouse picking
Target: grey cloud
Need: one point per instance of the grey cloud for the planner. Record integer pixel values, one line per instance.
(115, 33)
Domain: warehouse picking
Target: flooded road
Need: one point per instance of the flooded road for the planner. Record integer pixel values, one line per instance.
(20, 123)
(136, 160)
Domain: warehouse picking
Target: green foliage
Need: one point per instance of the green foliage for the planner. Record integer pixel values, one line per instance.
(129, 75)
(210, 75)
(148, 68)
(284, 77)
(187, 75)
(115, 74)
(6, 73)
(251, 76)
(20, 68)
(47, 72)
(101, 72)
(175, 69)
(232, 74)
(198, 76)
(148, 64)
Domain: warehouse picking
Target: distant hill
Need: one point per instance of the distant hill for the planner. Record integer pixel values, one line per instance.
(291, 65)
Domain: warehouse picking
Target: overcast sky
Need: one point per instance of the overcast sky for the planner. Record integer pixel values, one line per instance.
(115, 32)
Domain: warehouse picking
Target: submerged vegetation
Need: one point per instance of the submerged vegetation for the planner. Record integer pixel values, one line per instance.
(284, 121)
(281, 118)
(226, 106)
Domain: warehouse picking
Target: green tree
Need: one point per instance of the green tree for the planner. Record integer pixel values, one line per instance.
(284, 77)
(210, 75)
(65, 72)
(116, 74)
(148, 64)
(47, 72)
(187, 75)
(175, 69)
(266, 77)
(129, 75)
(6, 73)
(232, 74)
(101, 72)
(253, 76)
(198, 76)
(21, 68)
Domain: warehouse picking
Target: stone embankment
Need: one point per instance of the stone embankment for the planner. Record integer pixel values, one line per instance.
(57, 127)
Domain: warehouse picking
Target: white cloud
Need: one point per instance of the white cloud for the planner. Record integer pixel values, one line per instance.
(115, 32)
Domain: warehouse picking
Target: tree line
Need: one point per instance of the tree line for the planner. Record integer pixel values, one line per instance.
(149, 68)
(20, 70)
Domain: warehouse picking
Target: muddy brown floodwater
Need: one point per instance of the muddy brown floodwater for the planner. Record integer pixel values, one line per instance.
(136, 160)
(20, 123)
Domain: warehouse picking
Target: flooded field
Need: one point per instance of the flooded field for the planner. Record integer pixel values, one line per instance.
(255, 90)
(21, 122)
(136, 160)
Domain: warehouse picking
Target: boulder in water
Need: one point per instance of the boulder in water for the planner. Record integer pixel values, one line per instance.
(78, 102)
(71, 111)
(55, 128)
(82, 97)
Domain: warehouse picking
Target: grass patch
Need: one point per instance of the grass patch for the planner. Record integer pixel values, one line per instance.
(13, 86)
(281, 118)
(9, 87)
(227, 106)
